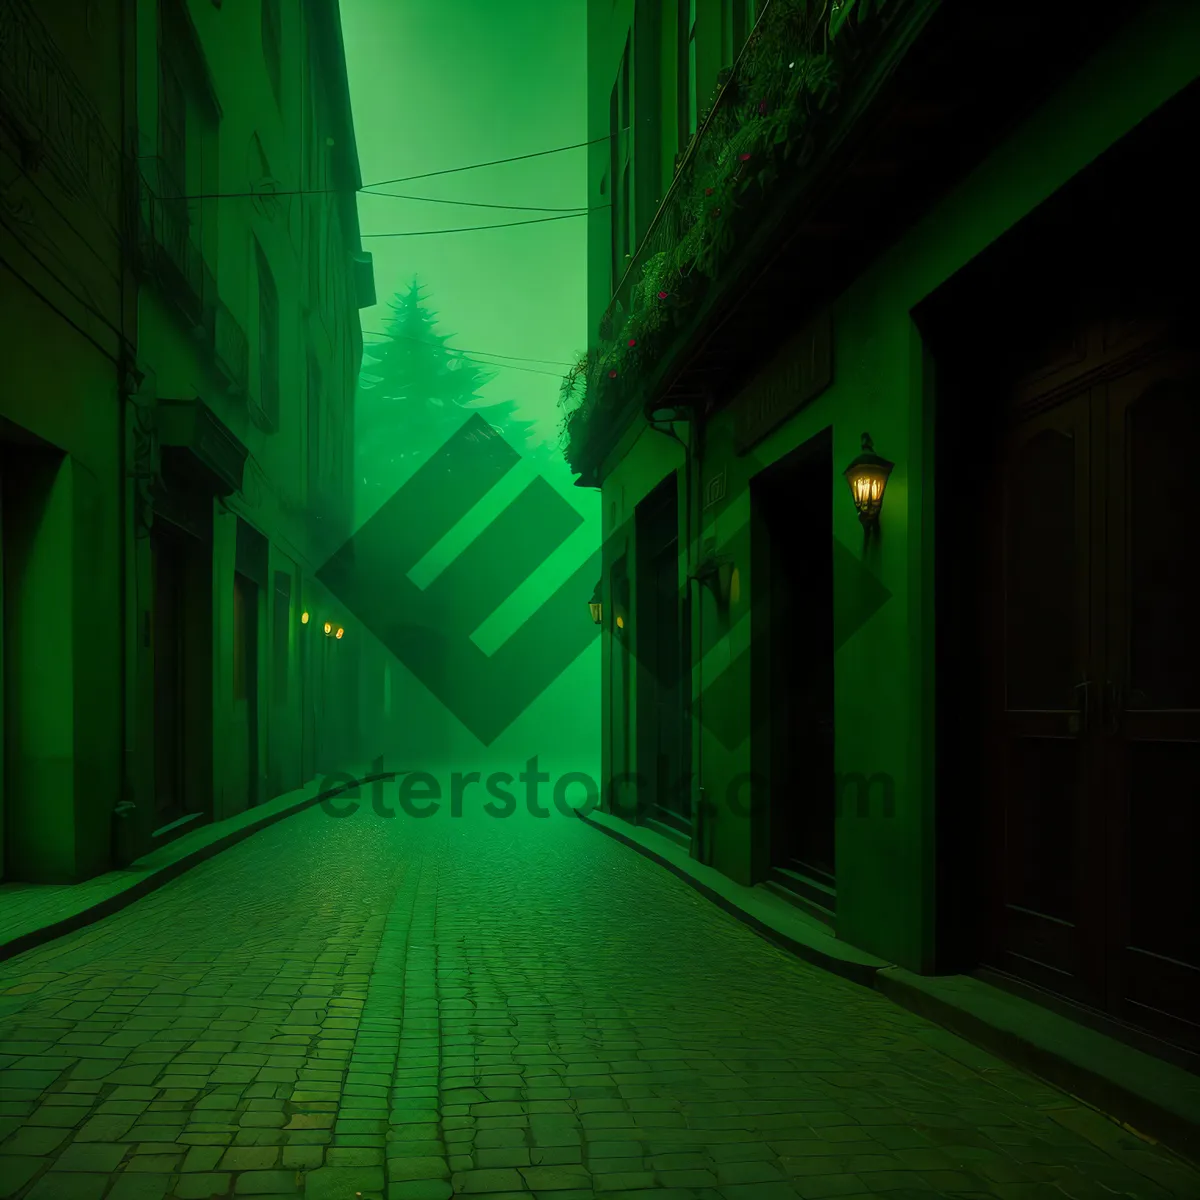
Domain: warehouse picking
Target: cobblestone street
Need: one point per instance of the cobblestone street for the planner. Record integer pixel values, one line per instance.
(415, 1009)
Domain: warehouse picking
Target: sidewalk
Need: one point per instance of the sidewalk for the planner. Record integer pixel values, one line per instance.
(1155, 1099)
(32, 914)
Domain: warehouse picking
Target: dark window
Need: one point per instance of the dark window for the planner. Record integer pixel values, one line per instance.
(614, 173)
(741, 27)
(271, 43)
(691, 68)
(686, 71)
(172, 128)
(282, 631)
(620, 154)
(268, 340)
(172, 152)
(314, 427)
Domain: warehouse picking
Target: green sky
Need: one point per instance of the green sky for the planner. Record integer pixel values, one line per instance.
(439, 84)
(444, 83)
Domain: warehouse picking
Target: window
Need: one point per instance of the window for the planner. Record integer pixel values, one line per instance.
(172, 128)
(187, 150)
(685, 102)
(271, 44)
(268, 341)
(691, 69)
(317, 154)
(743, 23)
(314, 427)
(737, 23)
(620, 136)
(282, 632)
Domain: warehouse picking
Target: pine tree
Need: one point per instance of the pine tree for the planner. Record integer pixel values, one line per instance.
(414, 392)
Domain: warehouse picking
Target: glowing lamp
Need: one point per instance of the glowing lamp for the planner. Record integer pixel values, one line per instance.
(596, 606)
(867, 476)
(339, 633)
(304, 618)
(328, 629)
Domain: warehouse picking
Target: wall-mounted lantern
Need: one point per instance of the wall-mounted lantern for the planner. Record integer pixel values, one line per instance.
(867, 476)
(596, 606)
(718, 573)
(329, 629)
(339, 633)
(304, 618)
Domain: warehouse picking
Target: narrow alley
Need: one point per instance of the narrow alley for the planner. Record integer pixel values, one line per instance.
(772, 421)
(415, 1009)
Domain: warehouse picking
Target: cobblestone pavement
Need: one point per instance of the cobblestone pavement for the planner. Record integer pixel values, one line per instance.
(496, 1008)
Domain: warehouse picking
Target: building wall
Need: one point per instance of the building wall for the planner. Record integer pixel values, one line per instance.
(650, 28)
(883, 384)
(263, 143)
(63, 308)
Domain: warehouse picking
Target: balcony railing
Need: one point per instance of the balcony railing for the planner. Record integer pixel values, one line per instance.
(232, 350)
(765, 124)
(172, 254)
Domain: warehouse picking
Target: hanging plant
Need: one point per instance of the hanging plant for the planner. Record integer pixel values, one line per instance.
(788, 75)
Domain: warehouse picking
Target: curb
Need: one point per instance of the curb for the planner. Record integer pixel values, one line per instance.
(859, 973)
(1134, 1089)
(1100, 1074)
(165, 874)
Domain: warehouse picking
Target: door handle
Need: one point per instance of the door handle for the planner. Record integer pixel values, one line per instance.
(1081, 720)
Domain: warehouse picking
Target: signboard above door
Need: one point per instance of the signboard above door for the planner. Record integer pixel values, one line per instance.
(797, 377)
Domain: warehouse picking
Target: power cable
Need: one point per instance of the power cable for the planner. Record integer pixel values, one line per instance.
(577, 208)
(408, 337)
(512, 367)
(472, 228)
(493, 163)
(260, 193)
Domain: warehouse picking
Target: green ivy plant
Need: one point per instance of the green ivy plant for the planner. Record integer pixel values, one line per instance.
(763, 122)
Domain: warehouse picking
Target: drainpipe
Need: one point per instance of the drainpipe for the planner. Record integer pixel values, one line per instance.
(123, 844)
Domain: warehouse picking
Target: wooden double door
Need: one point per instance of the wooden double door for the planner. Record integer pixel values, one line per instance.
(1093, 646)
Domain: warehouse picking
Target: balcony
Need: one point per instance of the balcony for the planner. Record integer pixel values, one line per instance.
(170, 253)
(231, 350)
(838, 128)
(776, 121)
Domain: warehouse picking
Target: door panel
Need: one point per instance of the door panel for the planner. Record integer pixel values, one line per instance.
(671, 794)
(1151, 736)
(168, 678)
(1049, 878)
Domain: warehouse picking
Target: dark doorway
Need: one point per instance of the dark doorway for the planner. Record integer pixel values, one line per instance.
(250, 596)
(793, 535)
(623, 796)
(170, 676)
(181, 558)
(308, 692)
(662, 745)
(245, 673)
(1093, 753)
(1067, 638)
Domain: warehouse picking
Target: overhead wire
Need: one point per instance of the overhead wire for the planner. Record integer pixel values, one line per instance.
(495, 162)
(408, 337)
(575, 208)
(366, 187)
(472, 228)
